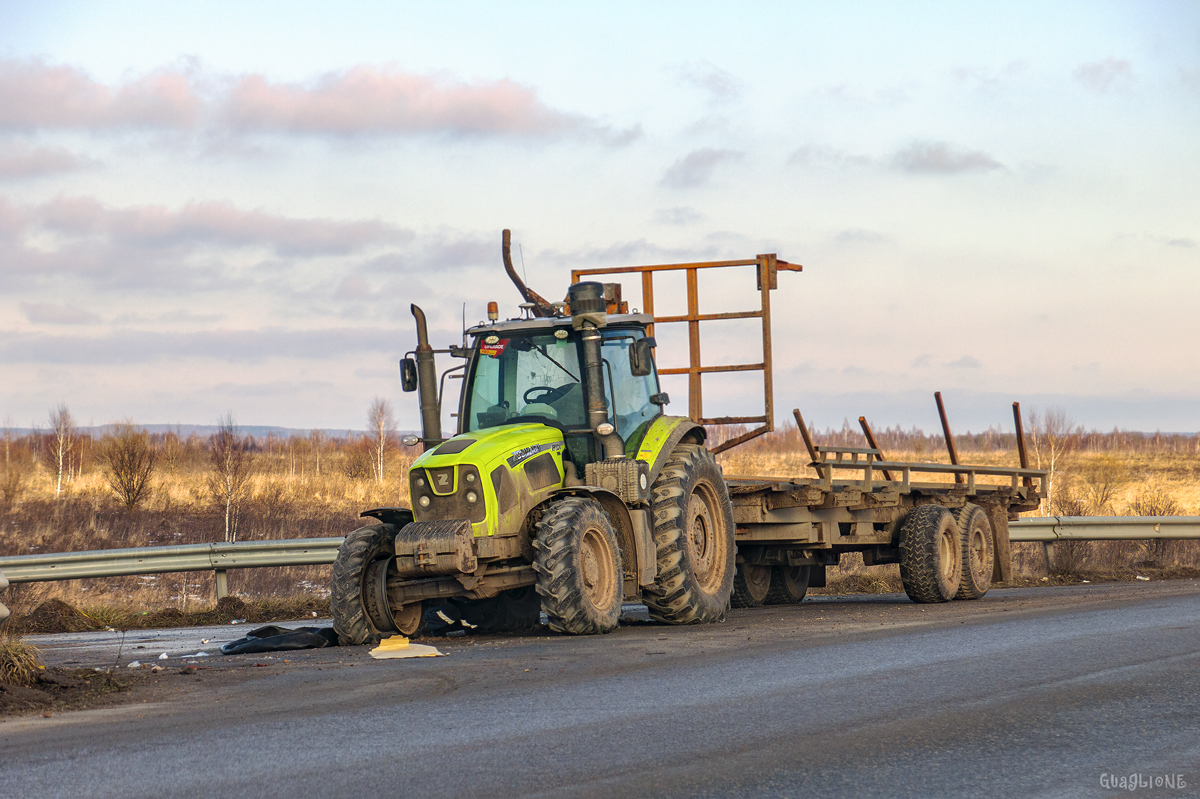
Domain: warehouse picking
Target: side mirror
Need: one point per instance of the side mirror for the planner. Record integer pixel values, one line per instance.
(660, 398)
(408, 374)
(640, 359)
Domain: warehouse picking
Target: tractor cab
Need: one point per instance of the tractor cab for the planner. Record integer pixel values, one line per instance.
(524, 371)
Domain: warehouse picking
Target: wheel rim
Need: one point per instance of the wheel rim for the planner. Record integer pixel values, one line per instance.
(597, 568)
(408, 618)
(704, 540)
(978, 553)
(947, 551)
(758, 579)
(375, 599)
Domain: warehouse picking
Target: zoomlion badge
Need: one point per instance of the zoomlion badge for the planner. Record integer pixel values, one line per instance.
(528, 452)
(492, 346)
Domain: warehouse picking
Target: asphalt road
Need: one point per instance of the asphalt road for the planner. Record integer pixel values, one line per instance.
(1031, 692)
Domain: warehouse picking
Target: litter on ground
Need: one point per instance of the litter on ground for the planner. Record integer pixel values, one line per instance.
(399, 647)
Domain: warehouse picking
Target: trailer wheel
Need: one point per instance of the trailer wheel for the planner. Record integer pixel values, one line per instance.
(358, 595)
(789, 584)
(930, 554)
(693, 536)
(512, 611)
(750, 585)
(978, 554)
(578, 565)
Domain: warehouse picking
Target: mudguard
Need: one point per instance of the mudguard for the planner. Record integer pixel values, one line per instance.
(659, 441)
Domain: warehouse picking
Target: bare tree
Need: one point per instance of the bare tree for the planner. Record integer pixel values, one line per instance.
(1102, 477)
(56, 449)
(229, 480)
(381, 423)
(130, 459)
(317, 440)
(1053, 437)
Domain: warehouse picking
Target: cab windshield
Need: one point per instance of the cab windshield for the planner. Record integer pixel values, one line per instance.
(526, 376)
(539, 377)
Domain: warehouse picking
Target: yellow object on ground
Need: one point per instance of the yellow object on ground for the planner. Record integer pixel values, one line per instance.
(398, 647)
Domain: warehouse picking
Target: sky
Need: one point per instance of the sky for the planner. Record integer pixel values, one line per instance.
(227, 207)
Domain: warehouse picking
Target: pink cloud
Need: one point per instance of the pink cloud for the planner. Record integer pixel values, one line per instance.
(34, 95)
(51, 314)
(21, 161)
(217, 223)
(368, 99)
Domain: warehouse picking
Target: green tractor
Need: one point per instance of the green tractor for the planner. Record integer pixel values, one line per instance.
(566, 489)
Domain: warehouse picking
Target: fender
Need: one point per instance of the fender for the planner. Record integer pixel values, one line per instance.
(397, 517)
(634, 535)
(660, 439)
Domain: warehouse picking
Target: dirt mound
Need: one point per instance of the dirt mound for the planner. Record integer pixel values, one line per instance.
(62, 689)
(53, 616)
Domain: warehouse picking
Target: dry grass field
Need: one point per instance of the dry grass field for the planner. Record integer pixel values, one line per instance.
(77, 492)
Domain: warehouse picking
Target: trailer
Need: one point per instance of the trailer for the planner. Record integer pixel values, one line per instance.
(567, 489)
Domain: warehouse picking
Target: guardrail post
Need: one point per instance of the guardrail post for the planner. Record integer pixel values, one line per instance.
(3, 585)
(222, 583)
(1049, 547)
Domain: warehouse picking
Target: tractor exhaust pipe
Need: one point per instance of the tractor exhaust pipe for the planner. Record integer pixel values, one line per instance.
(589, 313)
(431, 414)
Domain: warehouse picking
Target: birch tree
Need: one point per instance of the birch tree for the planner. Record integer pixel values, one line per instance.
(56, 451)
(381, 424)
(229, 478)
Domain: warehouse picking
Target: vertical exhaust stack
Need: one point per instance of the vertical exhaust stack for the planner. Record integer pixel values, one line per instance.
(589, 314)
(431, 415)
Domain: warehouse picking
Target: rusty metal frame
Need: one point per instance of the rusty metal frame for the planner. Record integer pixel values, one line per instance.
(768, 266)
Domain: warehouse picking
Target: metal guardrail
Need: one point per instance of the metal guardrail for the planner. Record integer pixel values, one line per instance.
(1104, 528)
(221, 557)
(3, 585)
(160, 560)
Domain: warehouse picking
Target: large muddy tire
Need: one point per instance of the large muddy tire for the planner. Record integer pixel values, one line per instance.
(789, 584)
(750, 585)
(978, 554)
(358, 595)
(512, 611)
(930, 554)
(578, 565)
(693, 539)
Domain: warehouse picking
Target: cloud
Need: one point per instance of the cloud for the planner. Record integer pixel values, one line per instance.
(233, 346)
(965, 362)
(34, 95)
(695, 168)
(679, 215)
(49, 314)
(1102, 75)
(935, 157)
(216, 223)
(991, 81)
(18, 161)
(362, 100)
(860, 236)
(820, 155)
(1185, 243)
(721, 86)
(374, 100)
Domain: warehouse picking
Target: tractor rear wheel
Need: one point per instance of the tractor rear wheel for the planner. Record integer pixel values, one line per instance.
(930, 554)
(750, 585)
(693, 538)
(979, 553)
(578, 565)
(789, 584)
(358, 595)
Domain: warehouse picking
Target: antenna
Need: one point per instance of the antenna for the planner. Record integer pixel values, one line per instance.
(464, 343)
(521, 252)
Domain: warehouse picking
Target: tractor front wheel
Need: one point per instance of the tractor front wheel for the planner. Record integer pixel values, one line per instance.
(358, 595)
(578, 566)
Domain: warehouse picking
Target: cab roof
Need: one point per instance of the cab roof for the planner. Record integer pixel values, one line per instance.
(552, 322)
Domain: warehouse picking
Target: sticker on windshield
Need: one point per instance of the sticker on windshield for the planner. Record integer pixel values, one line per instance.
(492, 346)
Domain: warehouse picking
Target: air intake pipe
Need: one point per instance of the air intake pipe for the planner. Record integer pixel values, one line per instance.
(588, 315)
(431, 414)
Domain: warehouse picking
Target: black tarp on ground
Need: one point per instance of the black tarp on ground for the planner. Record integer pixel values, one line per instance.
(280, 639)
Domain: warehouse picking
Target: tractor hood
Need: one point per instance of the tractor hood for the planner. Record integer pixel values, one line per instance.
(510, 444)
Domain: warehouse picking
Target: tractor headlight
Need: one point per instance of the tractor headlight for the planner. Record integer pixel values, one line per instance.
(472, 496)
(423, 502)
